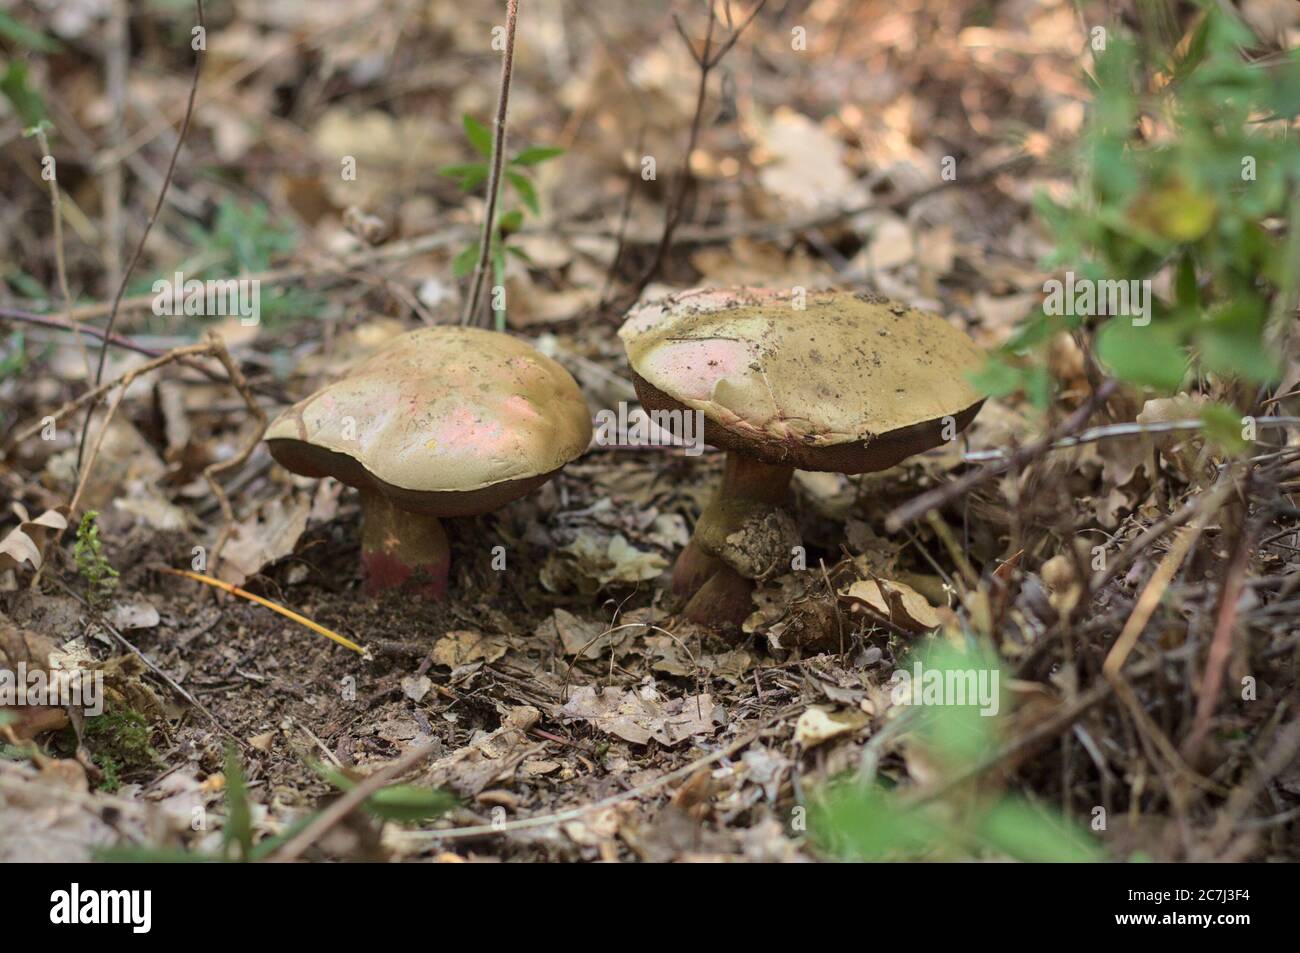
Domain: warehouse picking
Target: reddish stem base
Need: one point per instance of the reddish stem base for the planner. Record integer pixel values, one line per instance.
(402, 550)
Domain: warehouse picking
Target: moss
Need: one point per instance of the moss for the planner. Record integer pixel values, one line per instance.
(119, 743)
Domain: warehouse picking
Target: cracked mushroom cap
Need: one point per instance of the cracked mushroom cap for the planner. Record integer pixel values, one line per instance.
(447, 421)
(852, 383)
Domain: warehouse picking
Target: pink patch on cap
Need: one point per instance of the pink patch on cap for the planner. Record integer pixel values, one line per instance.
(465, 431)
(520, 406)
(692, 369)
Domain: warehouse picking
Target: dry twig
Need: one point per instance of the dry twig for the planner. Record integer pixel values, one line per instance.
(144, 236)
(497, 163)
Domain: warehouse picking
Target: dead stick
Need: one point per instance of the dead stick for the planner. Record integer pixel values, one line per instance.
(1221, 642)
(351, 800)
(210, 472)
(498, 162)
(559, 817)
(941, 495)
(124, 380)
(157, 209)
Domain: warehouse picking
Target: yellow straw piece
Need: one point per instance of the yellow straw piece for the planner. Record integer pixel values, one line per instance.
(287, 613)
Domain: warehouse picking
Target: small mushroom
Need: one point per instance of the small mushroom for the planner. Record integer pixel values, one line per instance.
(443, 421)
(834, 381)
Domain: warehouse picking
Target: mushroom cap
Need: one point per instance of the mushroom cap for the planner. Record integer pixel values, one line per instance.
(851, 383)
(447, 421)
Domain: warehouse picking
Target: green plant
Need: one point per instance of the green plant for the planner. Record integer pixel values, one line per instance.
(92, 564)
(19, 33)
(397, 802)
(471, 175)
(867, 820)
(407, 803)
(120, 741)
(244, 240)
(13, 358)
(1188, 173)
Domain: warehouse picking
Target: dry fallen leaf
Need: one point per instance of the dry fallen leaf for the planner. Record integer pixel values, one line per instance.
(896, 601)
(460, 647)
(576, 635)
(817, 725)
(804, 164)
(25, 543)
(593, 561)
(31, 650)
(637, 716)
(264, 537)
(415, 687)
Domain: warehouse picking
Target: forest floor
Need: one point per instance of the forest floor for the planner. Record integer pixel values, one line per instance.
(563, 702)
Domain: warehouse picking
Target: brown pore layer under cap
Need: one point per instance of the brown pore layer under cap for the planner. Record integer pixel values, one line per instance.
(879, 453)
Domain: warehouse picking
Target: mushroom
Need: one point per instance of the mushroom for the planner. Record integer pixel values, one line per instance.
(846, 383)
(442, 421)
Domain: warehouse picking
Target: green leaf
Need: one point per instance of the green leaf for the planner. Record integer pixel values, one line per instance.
(468, 174)
(239, 817)
(480, 136)
(1224, 427)
(398, 802)
(1238, 351)
(525, 189)
(464, 263)
(511, 221)
(1149, 355)
(997, 378)
(959, 730)
(27, 104)
(857, 823)
(1023, 832)
(519, 253)
(536, 154)
(1176, 212)
(1186, 292)
(24, 35)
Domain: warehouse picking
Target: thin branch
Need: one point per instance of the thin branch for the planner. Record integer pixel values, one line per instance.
(706, 59)
(210, 472)
(941, 495)
(624, 217)
(1095, 434)
(116, 58)
(144, 236)
(498, 162)
(725, 48)
(351, 800)
(641, 790)
(93, 395)
(77, 328)
(1225, 626)
(60, 260)
(126, 344)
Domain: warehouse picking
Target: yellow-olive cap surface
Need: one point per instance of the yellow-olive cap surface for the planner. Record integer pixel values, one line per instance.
(447, 420)
(849, 382)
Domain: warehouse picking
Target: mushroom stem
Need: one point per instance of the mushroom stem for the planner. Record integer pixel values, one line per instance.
(718, 594)
(398, 546)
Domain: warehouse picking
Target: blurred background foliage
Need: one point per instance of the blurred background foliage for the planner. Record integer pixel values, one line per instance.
(1188, 172)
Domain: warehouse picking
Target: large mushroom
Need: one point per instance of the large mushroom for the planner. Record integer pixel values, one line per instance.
(832, 381)
(443, 421)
